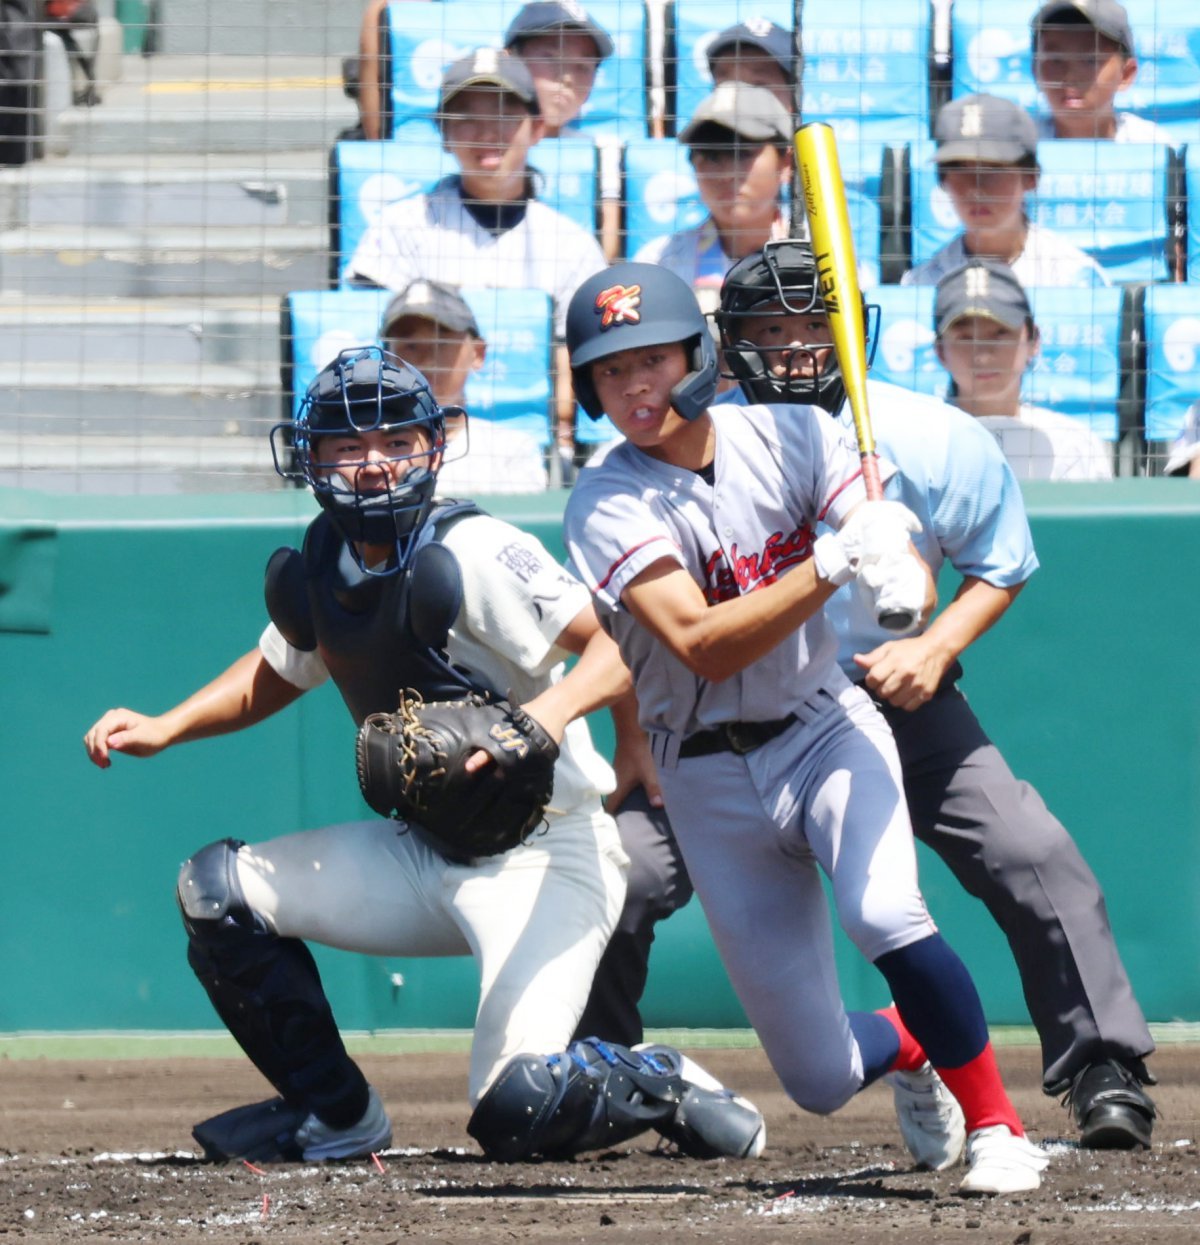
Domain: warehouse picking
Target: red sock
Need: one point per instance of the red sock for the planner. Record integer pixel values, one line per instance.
(981, 1093)
(911, 1056)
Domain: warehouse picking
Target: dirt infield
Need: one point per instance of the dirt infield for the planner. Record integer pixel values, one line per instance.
(102, 1151)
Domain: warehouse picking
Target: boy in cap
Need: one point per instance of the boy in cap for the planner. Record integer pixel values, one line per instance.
(758, 53)
(1082, 59)
(485, 225)
(986, 340)
(740, 145)
(432, 327)
(987, 163)
(562, 47)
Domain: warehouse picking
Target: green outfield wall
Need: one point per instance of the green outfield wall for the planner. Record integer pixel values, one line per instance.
(1091, 687)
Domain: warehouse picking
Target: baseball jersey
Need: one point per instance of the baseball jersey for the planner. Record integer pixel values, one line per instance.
(1048, 259)
(433, 236)
(492, 459)
(1046, 445)
(516, 602)
(1130, 129)
(778, 471)
(950, 473)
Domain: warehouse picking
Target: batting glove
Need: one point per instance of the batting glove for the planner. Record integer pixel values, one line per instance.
(877, 530)
(895, 587)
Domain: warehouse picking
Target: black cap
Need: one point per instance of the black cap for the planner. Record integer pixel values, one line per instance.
(430, 300)
(542, 17)
(981, 287)
(984, 129)
(758, 32)
(492, 67)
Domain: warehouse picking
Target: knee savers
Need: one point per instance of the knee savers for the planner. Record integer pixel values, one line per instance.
(210, 896)
(591, 1095)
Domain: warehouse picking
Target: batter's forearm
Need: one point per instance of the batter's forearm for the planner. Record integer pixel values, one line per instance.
(719, 641)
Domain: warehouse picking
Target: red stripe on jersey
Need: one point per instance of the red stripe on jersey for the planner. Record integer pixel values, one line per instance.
(837, 492)
(616, 566)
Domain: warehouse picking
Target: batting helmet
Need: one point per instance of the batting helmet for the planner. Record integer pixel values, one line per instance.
(631, 305)
(780, 280)
(363, 390)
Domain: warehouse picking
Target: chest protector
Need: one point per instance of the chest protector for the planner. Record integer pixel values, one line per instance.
(375, 633)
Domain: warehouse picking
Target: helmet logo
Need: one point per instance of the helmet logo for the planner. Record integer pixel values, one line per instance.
(619, 305)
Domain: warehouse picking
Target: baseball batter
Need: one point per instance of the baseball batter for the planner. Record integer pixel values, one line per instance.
(394, 590)
(697, 536)
(993, 831)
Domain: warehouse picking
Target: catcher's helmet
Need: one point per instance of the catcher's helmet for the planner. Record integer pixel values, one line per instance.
(780, 280)
(365, 389)
(631, 305)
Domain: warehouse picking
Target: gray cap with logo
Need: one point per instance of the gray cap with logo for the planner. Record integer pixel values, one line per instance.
(430, 300)
(750, 112)
(984, 129)
(981, 287)
(1106, 16)
(760, 33)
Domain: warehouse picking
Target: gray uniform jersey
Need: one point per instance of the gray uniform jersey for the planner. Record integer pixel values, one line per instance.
(753, 524)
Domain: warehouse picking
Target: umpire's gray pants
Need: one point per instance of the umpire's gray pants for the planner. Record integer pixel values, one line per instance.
(1004, 846)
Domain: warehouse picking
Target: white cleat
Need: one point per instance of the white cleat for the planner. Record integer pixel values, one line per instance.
(999, 1162)
(931, 1121)
(373, 1132)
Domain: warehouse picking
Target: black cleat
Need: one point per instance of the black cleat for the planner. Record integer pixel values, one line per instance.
(1110, 1106)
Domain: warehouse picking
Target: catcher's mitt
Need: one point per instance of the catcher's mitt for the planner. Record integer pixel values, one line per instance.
(411, 766)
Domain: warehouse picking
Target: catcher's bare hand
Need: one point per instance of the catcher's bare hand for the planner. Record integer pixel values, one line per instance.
(125, 731)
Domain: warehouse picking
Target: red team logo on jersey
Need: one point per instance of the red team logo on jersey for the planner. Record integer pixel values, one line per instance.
(619, 305)
(722, 582)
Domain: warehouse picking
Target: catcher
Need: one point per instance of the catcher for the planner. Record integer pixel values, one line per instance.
(445, 631)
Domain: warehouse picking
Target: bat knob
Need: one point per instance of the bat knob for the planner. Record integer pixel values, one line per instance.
(896, 620)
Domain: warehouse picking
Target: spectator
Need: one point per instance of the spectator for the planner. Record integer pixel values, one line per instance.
(740, 146)
(432, 328)
(1184, 459)
(758, 53)
(485, 225)
(986, 339)
(562, 46)
(1082, 59)
(987, 163)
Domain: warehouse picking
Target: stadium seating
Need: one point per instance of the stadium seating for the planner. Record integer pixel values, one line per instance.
(991, 51)
(660, 191)
(513, 385)
(867, 67)
(424, 36)
(1114, 200)
(366, 176)
(1192, 183)
(1172, 380)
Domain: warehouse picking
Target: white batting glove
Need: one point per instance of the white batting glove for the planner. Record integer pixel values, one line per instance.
(894, 587)
(876, 530)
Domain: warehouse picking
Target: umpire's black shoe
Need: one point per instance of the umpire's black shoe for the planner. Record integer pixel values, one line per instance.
(1112, 1109)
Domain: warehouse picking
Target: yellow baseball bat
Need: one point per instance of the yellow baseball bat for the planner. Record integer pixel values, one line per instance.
(837, 276)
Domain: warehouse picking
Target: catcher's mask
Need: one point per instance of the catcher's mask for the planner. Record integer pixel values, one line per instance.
(631, 305)
(372, 501)
(781, 280)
